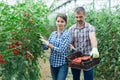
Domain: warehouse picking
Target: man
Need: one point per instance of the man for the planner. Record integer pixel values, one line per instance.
(84, 40)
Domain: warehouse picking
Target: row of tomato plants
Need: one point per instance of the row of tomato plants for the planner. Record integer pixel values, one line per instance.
(21, 26)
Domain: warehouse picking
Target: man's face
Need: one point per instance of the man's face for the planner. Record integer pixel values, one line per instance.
(80, 17)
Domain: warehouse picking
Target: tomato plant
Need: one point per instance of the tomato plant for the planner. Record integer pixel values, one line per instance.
(21, 25)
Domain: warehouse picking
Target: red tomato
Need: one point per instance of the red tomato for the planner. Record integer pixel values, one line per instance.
(13, 45)
(76, 60)
(0, 56)
(85, 57)
(14, 38)
(15, 52)
(18, 43)
(2, 61)
(29, 55)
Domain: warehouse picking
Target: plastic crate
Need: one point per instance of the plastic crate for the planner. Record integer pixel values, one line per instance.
(84, 64)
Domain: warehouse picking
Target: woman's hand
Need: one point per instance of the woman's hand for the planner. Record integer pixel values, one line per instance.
(50, 46)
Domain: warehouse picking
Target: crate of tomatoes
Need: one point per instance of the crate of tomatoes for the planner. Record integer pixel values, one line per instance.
(79, 61)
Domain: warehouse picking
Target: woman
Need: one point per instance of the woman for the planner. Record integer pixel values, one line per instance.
(59, 43)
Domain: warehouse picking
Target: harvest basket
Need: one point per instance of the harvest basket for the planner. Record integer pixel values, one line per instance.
(84, 64)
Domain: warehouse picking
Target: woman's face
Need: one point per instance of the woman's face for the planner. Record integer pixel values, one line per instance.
(60, 23)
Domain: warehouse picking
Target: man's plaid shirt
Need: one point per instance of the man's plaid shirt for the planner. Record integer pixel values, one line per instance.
(61, 47)
(80, 37)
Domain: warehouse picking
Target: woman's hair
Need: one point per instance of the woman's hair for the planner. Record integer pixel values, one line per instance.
(63, 16)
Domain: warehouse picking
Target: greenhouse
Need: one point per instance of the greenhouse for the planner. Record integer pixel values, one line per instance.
(36, 34)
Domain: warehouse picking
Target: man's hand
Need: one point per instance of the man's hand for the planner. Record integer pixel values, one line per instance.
(44, 41)
(72, 49)
(95, 53)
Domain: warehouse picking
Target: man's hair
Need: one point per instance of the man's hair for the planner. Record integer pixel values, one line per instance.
(79, 10)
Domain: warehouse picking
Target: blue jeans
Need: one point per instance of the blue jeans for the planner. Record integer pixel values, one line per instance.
(88, 75)
(59, 73)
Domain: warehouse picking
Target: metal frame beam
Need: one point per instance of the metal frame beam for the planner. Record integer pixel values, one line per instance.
(61, 5)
